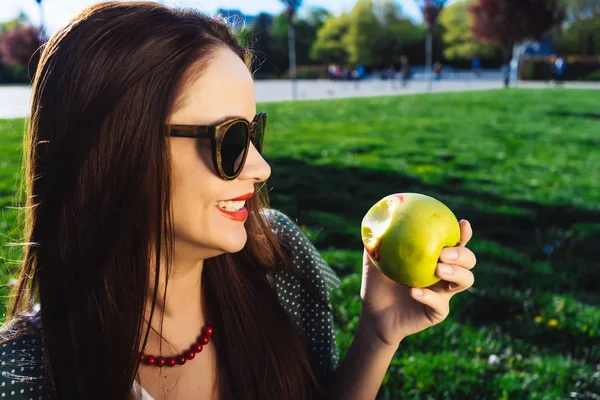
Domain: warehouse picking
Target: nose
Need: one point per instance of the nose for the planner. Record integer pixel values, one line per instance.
(256, 168)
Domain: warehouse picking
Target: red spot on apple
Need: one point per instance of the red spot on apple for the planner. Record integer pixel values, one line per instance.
(400, 197)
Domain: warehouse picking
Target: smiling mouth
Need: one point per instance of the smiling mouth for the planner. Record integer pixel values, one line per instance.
(231, 206)
(234, 209)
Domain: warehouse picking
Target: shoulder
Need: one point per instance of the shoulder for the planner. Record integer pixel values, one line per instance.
(306, 259)
(280, 224)
(21, 367)
(304, 293)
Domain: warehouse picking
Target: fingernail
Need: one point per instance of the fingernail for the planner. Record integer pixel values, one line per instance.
(417, 292)
(446, 269)
(452, 255)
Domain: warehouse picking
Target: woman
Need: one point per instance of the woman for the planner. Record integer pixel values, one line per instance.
(154, 268)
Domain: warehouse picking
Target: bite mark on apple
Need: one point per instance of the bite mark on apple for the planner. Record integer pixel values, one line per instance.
(373, 252)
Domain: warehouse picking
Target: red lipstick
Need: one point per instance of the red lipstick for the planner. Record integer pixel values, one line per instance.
(247, 196)
(240, 215)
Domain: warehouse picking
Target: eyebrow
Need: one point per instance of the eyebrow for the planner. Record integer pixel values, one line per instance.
(228, 118)
(224, 119)
(217, 122)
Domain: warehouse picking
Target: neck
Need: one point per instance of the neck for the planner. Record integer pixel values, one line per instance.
(178, 315)
(179, 311)
(184, 284)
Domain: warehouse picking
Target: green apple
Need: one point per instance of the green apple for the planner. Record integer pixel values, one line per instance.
(404, 234)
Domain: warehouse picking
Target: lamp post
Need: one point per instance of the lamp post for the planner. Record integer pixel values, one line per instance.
(431, 10)
(42, 35)
(291, 7)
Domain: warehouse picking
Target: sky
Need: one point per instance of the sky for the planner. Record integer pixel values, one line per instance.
(58, 12)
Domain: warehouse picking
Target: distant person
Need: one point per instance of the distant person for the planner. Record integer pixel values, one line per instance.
(361, 71)
(331, 71)
(405, 72)
(559, 67)
(153, 266)
(476, 66)
(437, 71)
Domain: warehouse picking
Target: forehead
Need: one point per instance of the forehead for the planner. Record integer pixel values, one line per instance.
(224, 88)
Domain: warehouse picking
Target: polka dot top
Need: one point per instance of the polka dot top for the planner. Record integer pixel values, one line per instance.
(308, 303)
(303, 295)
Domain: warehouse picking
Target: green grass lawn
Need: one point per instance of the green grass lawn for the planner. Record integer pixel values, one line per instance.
(522, 165)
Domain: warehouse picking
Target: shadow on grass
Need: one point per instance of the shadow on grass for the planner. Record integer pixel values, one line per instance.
(524, 248)
(574, 114)
(337, 199)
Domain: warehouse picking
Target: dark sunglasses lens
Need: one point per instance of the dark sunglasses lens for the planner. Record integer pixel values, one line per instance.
(259, 135)
(233, 148)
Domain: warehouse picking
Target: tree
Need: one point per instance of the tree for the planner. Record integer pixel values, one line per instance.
(21, 21)
(431, 9)
(19, 47)
(270, 54)
(291, 7)
(581, 9)
(400, 37)
(329, 47)
(373, 34)
(459, 42)
(364, 34)
(316, 17)
(306, 32)
(581, 37)
(506, 22)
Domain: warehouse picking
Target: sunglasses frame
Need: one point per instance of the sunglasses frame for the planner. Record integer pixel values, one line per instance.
(216, 133)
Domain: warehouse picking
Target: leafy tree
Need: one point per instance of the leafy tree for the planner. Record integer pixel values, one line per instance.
(19, 46)
(400, 36)
(459, 42)
(270, 52)
(581, 37)
(506, 22)
(316, 17)
(581, 9)
(306, 32)
(389, 12)
(329, 47)
(373, 34)
(364, 35)
(268, 37)
(21, 21)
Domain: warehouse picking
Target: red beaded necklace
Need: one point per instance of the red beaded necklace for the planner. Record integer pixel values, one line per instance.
(180, 359)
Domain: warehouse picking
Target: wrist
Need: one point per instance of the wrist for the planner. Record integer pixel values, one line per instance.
(368, 334)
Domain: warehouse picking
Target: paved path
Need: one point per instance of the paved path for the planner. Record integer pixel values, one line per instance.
(14, 100)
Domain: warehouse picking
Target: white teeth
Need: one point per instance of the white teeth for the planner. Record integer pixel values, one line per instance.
(230, 205)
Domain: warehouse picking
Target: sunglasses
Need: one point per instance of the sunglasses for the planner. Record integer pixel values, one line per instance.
(230, 141)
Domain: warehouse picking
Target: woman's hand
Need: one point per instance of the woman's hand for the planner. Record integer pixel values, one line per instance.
(394, 311)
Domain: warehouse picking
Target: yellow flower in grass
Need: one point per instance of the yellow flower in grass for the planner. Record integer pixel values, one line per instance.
(478, 349)
(538, 319)
(552, 323)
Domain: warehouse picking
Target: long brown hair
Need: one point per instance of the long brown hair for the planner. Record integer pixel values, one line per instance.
(98, 212)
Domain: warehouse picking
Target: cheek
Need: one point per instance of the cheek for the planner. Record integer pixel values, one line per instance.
(194, 186)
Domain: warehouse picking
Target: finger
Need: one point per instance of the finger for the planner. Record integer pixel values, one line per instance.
(458, 278)
(437, 302)
(458, 256)
(466, 232)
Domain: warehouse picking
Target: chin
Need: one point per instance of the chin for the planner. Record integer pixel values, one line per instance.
(234, 242)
